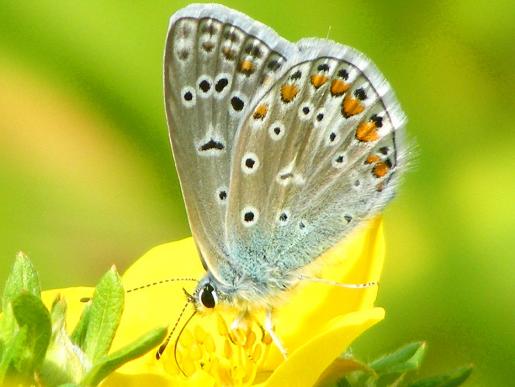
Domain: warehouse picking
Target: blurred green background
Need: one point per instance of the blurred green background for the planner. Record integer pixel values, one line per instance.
(87, 178)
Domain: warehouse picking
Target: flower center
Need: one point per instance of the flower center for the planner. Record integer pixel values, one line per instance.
(230, 356)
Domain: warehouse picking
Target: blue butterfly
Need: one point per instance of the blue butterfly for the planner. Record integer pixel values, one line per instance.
(281, 149)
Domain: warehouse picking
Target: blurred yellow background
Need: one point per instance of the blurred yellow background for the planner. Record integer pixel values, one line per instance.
(87, 178)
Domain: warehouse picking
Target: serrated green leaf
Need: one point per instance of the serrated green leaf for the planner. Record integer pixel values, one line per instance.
(30, 312)
(115, 360)
(14, 351)
(23, 276)
(105, 314)
(454, 379)
(406, 358)
(79, 333)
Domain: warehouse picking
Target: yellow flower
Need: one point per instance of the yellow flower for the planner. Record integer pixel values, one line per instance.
(316, 324)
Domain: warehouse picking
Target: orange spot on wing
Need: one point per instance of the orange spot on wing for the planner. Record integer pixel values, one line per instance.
(318, 80)
(372, 159)
(367, 131)
(380, 169)
(288, 92)
(339, 87)
(260, 112)
(246, 67)
(351, 106)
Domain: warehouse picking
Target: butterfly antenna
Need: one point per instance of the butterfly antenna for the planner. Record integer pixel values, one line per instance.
(162, 282)
(340, 284)
(163, 346)
(150, 284)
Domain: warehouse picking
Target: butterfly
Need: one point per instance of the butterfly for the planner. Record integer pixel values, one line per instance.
(281, 150)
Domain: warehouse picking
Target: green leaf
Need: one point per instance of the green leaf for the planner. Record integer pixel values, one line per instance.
(7, 324)
(132, 351)
(14, 351)
(106, 311)
(406, 358)
(23, 276)
(78, 335)
(456, 378)
(335, 374)
(30, 312)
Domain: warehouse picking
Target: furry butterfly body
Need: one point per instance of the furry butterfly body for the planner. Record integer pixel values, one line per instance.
(281, 149)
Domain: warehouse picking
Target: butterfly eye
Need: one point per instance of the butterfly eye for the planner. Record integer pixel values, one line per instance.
(208, 296)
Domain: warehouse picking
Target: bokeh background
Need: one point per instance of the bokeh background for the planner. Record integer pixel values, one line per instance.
(87, 178)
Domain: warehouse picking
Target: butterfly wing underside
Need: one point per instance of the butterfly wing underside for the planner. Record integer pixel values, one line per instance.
(323, 155)
(217, 62)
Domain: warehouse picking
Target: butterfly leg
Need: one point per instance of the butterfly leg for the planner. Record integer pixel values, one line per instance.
(269, 328)
(239, 321)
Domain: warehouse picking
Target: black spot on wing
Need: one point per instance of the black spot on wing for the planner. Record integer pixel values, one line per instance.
(360, 94)
(188, 96)
(211, 144)
(296, 75)
(205, 86)
(343, 74)
(221, 84)
(237, 103)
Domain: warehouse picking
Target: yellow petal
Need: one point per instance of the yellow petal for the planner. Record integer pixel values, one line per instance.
(306, 364)
(158, 305)
(119, 379)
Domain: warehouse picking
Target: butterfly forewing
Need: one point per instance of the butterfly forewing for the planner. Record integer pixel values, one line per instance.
(217, 61)
(323, 158)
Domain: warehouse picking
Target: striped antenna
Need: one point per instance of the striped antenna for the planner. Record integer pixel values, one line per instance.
(150, 284)
(161, 282)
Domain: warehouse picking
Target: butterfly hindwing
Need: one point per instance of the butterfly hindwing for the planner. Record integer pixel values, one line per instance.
(217, 61)
(325, 157)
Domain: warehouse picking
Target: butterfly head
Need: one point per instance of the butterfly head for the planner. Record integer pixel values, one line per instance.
(208, 294)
